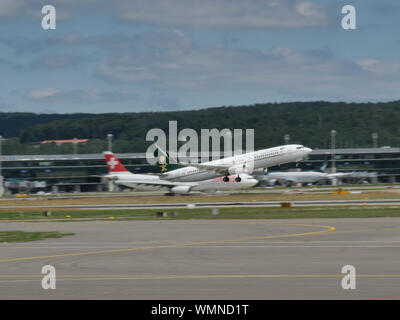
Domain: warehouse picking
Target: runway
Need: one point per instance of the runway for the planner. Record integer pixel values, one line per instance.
(206, 259)
(224, 204)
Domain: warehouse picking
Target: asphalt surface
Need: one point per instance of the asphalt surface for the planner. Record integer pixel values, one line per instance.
(203, 259)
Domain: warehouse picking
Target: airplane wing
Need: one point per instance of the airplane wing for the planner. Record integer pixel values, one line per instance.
(338, 175)
(271, 177)
(164, 183)
(289, 180)
(220, 168)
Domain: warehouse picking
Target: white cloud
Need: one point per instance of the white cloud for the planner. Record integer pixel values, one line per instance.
(227, 13)
(79, 95)
(279, 72)
(381, 67)
(10, 7)
(17, 9)
(56, 61)
(199, 68)
(184, 13)
(44, 93)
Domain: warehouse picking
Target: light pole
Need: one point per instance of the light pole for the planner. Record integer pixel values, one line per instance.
(75, 145)
(333, 156)
(109, 138)
(333, 146)
(286, 138)
(375, 140)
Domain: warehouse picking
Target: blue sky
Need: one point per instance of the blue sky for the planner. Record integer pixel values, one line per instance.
(163, 55)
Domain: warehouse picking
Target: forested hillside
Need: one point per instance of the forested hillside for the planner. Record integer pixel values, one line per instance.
(11, 123)
(308, 123)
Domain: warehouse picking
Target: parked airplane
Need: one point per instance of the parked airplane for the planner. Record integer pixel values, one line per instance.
(147, 182)
(295, 177)
(248, 163)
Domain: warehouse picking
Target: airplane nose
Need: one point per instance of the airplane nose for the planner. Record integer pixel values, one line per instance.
(308, 150)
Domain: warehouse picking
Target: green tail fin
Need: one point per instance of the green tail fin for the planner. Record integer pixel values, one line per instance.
(163, 162)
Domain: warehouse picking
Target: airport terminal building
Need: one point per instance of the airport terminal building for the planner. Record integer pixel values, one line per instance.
(82, 172)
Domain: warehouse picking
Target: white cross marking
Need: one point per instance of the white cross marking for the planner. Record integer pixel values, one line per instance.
(112, 163)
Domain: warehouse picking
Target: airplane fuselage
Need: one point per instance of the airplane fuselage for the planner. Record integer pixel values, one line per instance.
(210, 185)
(298, 177)
(254, 160)
(147, 182)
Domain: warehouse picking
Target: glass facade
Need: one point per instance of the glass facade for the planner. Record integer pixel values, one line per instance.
(67, 171)
(87, 169)
(385, 162)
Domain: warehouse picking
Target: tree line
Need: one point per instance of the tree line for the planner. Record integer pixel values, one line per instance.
(308, 123)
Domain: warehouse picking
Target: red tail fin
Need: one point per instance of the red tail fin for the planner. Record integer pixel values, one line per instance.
(113, 164)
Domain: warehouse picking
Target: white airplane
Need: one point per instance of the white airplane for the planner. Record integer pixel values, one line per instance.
(147, 182)
(248, 163)
(295, 177)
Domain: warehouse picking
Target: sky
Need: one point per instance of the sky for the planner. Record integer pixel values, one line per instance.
(165, 55)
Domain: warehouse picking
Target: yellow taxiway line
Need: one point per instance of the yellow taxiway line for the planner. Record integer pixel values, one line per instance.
(192, 243)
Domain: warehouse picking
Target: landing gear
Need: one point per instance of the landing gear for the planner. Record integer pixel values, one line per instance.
(237, 179)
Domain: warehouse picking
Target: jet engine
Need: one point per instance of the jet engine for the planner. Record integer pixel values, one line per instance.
(260, 170)
(180, 189)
